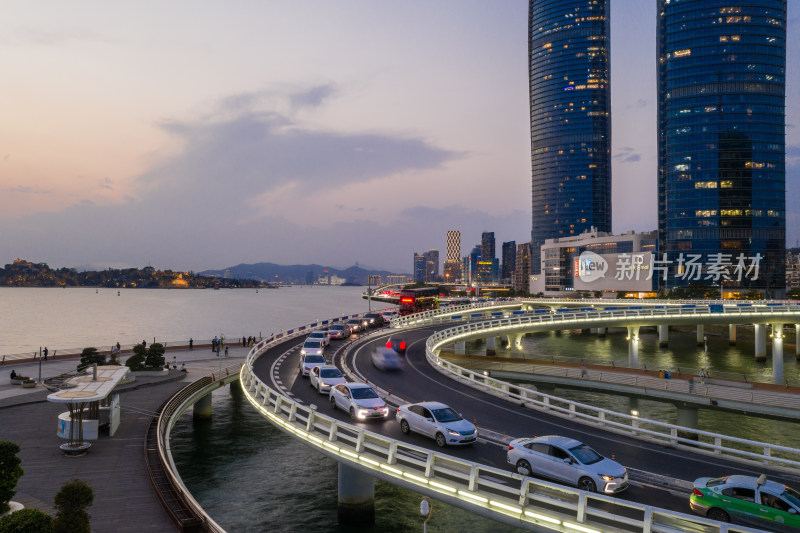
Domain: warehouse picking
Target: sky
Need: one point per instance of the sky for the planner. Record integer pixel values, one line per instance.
(193, 135)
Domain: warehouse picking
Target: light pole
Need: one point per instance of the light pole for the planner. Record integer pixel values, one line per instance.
(369, 293)
(426, 510)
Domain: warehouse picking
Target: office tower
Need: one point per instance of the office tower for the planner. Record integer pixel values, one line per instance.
(432, 266)
(470, 274)
(523, 268)
(721, 115)
(487, 246)
(452, 263)
(419, 268)
(570, 104)
(509, 261)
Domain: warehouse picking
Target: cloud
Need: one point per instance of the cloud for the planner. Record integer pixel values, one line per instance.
(627, 155)
(22, 189)
(314, 97)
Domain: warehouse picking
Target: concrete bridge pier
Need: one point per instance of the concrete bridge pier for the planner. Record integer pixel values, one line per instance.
(633, 346)
(732, 334)
(201, 410)
(777, 353)
(761, 342)
(601, 332)
(491, 345)
(356, 497)
(236, 389)
(687, 417)
(701, 333)
(460, 348)
(663, 336)
(517, 340)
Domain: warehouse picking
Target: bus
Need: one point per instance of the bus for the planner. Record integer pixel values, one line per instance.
(416, 300)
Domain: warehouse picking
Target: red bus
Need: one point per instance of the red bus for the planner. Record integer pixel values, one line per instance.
(416, 300)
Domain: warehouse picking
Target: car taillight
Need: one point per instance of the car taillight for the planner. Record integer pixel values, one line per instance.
(403, 345)
(697, 493)
(510, 447)
(398, 409)
(388, 344)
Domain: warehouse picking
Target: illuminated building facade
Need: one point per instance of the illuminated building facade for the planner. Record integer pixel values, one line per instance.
(721, 115)
(570, 103)
(509, 256)
(452, 262)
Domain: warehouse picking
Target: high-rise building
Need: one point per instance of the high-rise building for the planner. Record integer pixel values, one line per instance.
(509, 261)
(432, 266)
(419, 268)
(487, 246)
(721, 147)
(452, 263)
(523, 268)
(570, 104)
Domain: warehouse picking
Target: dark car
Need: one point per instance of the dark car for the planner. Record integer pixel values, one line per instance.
(375, 320)
(397, 344)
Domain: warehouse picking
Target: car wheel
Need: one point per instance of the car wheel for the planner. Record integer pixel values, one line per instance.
(718, 514)
(352, 413)
(404, 427)
(523, 464)
(587, 484)
(333, 402)
(441, 442)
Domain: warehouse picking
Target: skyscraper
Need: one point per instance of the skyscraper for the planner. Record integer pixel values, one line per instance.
(721, 114)
(432, 265)
(419, 267)
(452, 263)
(509, 261)
(487, 246)
(570, 103)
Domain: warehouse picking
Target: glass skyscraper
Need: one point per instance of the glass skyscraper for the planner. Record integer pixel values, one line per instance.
(721, 114)
(568, 53)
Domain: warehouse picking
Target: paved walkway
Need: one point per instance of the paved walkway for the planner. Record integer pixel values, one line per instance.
(115, 466)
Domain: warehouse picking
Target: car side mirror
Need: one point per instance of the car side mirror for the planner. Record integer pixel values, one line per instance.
(429, 419)
(568, 460)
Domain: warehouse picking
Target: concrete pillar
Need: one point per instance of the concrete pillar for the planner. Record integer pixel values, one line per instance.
(557, 332)
(777, 353)
(236, 389)
(663, 336)
(517, 340)
(491, 345)
(201, 410)
(633, 346)
(356, 496)
(700, 334)
(732, 334)
(461, 348)
(601, 332)
(687, 418)
(761, 342)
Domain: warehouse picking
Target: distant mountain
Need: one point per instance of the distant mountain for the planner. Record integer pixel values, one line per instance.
(294, 273)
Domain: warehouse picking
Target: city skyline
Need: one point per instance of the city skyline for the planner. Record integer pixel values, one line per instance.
(201, 137)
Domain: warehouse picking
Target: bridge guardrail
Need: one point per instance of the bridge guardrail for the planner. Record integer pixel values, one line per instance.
(503, 495)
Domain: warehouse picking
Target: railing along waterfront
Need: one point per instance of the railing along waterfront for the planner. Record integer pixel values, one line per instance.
(697, 441)
(499, 494)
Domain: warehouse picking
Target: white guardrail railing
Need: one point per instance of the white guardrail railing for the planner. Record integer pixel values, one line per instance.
(498, 494)
(695, 440)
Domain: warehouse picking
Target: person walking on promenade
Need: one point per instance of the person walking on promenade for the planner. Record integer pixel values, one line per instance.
(214, 343)
(118, 346)
(183, 367)
(45, 352)
(13, 374)
(226, 351)
(144, 343)
(191, 343)
(244, 343)
(217, 350)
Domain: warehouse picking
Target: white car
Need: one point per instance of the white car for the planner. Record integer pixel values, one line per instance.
(324, 377)
(312, 347)
(356, 325)
(360, 400)
(307, 362)
(438, 421)
(322, 336)
(387, 359)
(568, 461)
(388, 315)
(339, 331)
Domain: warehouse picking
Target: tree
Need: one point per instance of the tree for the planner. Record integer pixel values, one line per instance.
(27, 521)
(71, 503)
(155, 356)
(136, 361)
(794, 294)
(10, 472)
(90, 356)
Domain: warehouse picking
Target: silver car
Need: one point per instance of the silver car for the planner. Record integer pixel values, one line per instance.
(307, 362)
(438, 421)
(568, 461)
(312, 347)
(324, 377)
(360, 400)
(323, 336)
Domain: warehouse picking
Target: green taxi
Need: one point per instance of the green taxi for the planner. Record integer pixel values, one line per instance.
(748, 500)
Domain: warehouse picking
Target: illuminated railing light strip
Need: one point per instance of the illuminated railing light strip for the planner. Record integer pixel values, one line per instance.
(370, 461)
(348, 453)
(475, 497)
(315, 439)
(331, 446)
(542, 518)
(415, 478)
(507, 507)
(584, 529)
(392, 470)
(443, 487)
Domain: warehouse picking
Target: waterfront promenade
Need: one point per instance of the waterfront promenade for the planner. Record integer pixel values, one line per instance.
(115, 466)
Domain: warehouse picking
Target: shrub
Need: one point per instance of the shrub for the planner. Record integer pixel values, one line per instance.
(155, 356)
(10, 472)
(27, 521)
(90, 356)
(71, 503)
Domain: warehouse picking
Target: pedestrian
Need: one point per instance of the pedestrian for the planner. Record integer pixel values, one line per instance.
(244, 342)
(217, 350)
(214, 343)
(226, 351)
(174, 361)
(183, 367)
(583, 371)
(191, 343)
(144, 343)
(45, 352)
(13, 374)
(118, 346)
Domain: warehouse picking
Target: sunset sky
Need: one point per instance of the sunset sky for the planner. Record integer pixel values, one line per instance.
(196, 135)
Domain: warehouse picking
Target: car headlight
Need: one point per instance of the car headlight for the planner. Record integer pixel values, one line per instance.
(362, 413)
(456, 433)
(385, 411)
(607, 478)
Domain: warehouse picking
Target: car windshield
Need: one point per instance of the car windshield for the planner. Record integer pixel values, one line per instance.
(312, 344)
(446, 414)
(314, 359)
(792, 496)
(585, 454)
(316, 335)
(337, 327)
(364, 393)
(330, 373)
